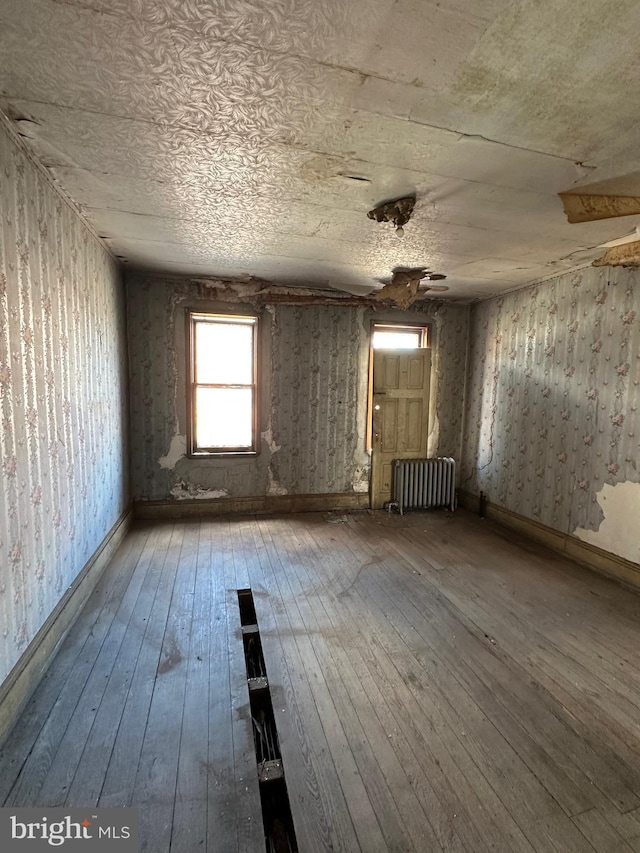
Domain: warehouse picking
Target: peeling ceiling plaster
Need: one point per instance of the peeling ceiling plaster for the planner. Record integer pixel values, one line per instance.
(216, 138)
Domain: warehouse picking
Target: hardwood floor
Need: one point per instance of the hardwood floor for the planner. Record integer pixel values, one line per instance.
(435, 685)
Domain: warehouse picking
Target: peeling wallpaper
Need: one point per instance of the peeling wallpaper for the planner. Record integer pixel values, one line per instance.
(314, 363)
(552, 411)
(63, 438)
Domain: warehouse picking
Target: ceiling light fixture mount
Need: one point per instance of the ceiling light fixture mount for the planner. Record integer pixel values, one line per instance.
(397, 210)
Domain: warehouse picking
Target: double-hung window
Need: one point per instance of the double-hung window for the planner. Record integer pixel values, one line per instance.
(222, 383)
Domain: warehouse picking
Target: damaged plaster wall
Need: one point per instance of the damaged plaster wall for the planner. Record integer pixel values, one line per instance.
(157, 355)
(314, 371)
(553, 397)
(620, 505)
(311, 399)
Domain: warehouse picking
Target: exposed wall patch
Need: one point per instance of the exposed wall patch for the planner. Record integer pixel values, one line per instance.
(267, 437)
(177, 451)
(618, 532)
(360, 481)
(275, 488)
(188, 491)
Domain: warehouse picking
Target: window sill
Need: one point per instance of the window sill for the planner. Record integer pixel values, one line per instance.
(223, 454)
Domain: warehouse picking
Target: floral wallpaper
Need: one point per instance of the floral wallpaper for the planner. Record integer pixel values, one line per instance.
(62, 376)
(320, 386)
(157, 361)
(314, 389)
(319, 361)
(449, 343)
(554, 390)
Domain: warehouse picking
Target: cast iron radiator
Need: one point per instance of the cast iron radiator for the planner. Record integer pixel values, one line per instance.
(424, 483)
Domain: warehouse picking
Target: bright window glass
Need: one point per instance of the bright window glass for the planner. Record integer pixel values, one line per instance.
(224, 354)
(397, 339)
(224, 417)
(223, 383)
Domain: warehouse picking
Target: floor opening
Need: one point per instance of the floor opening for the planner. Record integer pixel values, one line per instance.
(247, 610)
(279, 831)
(280, 835)
(253, 656)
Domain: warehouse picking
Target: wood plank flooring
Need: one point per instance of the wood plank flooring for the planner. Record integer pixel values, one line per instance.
(436, 687)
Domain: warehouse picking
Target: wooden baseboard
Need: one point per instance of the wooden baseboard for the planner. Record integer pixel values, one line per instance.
(25, 676)
(261, 504)
(588, 555)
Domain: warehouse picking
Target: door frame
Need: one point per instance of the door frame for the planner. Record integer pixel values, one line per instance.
(425, 329)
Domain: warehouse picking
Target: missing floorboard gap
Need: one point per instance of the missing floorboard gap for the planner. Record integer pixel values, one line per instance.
(253, 656)
(247, 609)
(279, 831)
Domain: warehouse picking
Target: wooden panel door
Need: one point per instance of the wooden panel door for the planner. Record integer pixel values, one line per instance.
(400, 414)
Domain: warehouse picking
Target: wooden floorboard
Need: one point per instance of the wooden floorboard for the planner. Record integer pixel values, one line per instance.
(120, 776)
(189, 828)
(90, 770)
(16, 750)
(317, 801)
(46, 721)
(424, 729)
(404, 812)
(436, 687)
(557, 679)
(221, 788)
(156, 778)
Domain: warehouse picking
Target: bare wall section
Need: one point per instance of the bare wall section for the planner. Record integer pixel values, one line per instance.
(553, 431)
(314, 368)
(63, 436)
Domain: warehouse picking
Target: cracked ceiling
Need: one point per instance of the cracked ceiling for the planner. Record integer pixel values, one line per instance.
(236, 138)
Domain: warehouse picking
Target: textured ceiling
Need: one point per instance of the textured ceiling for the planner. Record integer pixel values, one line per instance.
(218, 136)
